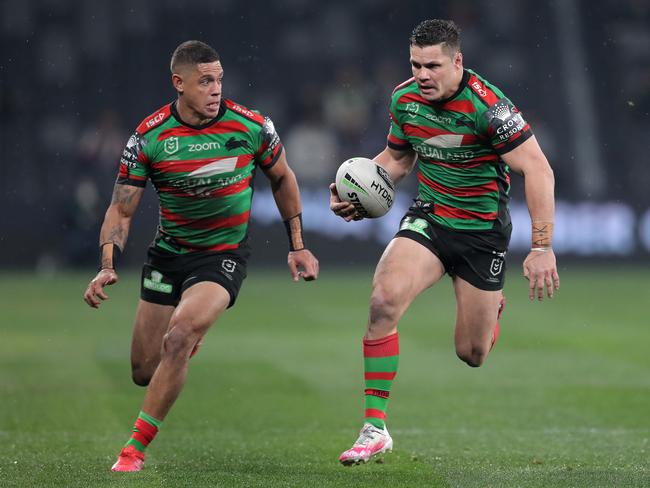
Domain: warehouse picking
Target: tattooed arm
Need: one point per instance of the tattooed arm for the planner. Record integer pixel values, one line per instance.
(112, 238)
(540, 267)
(117, 221)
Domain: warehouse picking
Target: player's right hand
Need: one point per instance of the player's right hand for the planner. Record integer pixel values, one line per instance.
(540, 269)
(94, 294)
(345, 210)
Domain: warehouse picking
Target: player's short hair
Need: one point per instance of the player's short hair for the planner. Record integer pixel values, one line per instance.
(191, 53)
(436, 31)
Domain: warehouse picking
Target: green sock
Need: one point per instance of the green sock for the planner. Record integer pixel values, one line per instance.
(380, 358)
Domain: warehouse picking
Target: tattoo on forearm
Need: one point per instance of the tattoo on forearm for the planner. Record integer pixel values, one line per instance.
(123, 194)
(542, 235)
(118, 236)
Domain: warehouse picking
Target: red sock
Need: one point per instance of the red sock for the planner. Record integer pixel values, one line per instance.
(144, 430)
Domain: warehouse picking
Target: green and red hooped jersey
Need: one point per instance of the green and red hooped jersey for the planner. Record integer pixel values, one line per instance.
(203, 175)
(459, 142)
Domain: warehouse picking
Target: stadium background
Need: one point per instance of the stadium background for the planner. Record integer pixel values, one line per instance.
(77, 77)
(274, 395)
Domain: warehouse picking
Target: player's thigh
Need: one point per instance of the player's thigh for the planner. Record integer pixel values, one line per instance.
(200, 306)
(151, 322)
(476, 313)
(406, 269)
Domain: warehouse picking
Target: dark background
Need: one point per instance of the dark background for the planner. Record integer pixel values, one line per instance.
(77, 77)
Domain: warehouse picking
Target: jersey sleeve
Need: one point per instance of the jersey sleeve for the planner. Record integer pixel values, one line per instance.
(396, 138)
(134, 164)
(505, 126)
(269, 147)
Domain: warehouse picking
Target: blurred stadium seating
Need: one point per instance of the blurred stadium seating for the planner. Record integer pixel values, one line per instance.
(77, 76)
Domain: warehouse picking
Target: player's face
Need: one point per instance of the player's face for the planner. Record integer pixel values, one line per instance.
(437, 74)
(199, 87)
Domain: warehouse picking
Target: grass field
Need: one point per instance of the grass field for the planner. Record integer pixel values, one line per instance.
(275, 393)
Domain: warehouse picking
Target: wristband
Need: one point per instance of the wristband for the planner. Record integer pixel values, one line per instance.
(294, 232)
(109, 254)
(540, 249)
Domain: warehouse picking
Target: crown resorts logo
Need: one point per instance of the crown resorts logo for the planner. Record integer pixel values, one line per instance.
(502, 112)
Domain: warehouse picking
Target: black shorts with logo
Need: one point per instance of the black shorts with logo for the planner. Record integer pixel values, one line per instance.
(166, 275)
(478, 257)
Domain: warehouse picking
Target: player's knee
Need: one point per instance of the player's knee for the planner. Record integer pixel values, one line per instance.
(180, 339)
(473, 356)
(383, 304)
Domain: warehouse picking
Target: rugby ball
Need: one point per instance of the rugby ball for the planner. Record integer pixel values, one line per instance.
(366, 185)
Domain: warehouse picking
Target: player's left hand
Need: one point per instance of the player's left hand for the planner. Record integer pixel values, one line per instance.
(95, 294)
(303, 264)
(541, 271)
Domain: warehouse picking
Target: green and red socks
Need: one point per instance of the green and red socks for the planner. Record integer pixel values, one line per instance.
(145, 429)
(380, 359)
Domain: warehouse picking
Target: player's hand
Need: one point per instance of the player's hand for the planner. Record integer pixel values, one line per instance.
(345, 210)
(541, 272)
(303, 264)
(95, 294)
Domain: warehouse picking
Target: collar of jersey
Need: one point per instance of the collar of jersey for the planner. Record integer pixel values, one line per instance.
(222, 110)
(461, 87)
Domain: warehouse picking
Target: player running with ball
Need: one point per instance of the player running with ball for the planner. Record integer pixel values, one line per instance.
(200, 153)
(466, 136)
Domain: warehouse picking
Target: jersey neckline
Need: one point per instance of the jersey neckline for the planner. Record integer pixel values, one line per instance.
(176, 115)
(461, 87)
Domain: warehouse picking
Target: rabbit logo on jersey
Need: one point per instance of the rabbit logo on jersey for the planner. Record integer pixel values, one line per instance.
(412, 108)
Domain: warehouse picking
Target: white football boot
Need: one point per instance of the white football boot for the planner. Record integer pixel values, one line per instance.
(372, 441)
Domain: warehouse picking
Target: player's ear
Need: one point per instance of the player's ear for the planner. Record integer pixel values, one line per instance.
(177, 81)
(458, 60)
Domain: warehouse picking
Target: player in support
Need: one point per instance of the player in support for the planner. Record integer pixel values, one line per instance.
(466, 136)
(200, 153)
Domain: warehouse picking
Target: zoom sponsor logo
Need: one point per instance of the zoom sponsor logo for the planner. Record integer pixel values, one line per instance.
(205, 146)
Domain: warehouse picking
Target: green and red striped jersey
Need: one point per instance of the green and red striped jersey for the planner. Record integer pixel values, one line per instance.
(459, 142)
(203, 174)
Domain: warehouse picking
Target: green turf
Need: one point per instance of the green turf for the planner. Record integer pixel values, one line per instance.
(275, 393)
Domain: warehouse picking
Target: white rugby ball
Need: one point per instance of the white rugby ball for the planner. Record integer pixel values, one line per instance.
(366, 185)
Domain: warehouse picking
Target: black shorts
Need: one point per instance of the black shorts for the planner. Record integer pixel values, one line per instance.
(478, 257)
(166, 275)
